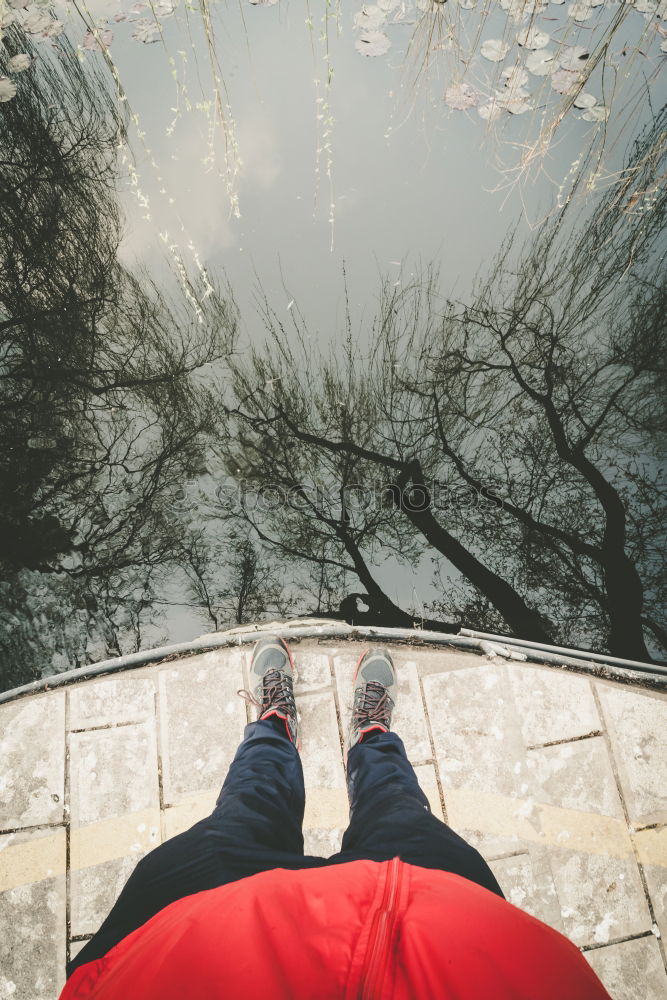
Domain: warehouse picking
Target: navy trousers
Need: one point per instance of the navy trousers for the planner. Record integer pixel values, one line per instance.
(256, 826)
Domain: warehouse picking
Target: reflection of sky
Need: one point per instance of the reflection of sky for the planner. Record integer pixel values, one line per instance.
(412, 181)
(426, 191)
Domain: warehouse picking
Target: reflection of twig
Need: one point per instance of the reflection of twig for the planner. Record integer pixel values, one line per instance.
(444, 31)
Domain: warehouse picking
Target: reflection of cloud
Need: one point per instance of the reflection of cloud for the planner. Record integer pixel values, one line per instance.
(188, 201)
(200, 209)
(258, 146)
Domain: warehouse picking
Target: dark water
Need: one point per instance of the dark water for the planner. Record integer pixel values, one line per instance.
(342, 311)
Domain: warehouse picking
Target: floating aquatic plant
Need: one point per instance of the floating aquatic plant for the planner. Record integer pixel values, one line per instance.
(373, 43)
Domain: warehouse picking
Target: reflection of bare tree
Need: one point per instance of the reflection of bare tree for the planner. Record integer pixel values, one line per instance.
(540, 399)
(102, 404)
(233, 581)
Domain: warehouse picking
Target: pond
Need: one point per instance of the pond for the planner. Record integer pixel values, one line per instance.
(348, 311)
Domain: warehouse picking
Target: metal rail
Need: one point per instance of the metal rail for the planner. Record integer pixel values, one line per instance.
(648, 675)
(564, 651)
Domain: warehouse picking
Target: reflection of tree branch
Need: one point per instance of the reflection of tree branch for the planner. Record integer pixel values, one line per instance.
(543, 387)
(509, 602)
(102, 393)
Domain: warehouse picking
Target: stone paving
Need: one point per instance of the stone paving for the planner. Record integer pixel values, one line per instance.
(559, 779)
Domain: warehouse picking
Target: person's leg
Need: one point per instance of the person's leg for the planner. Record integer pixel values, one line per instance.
(255, 826)
(390, 815)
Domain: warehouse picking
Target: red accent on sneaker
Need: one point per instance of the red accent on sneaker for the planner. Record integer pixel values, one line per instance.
(356, 669)
(372, 729)
(279, 715)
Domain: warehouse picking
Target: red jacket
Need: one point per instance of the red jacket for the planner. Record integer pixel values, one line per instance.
(361, 930)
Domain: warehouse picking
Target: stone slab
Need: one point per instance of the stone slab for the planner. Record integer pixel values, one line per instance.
(655, 873)
(552, 704)
(527, 881)
(75, 947)
(321, 753)
(488, 822)
(322, 842)
(313, 671)
(113, 772)
(32, 751)
(601, 898)
(93, 891)
(111, 701)
(327, 810)
(102, 857)
(31, 857)
(201, 721)
(475, 729)
(437, 661)
(32, 917)
(408, 719)
(575, 776)
(637, 726)
(428, 782)
(188, 811)
(631, 970)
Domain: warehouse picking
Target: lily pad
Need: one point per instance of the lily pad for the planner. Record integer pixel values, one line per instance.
(513, 92)
(513, 99)
(518, 10)
(494, 49)
(373, 43)
(19, 63)
(564, 81)
(573, 58)
(580, 11)
(532, 38)
(97, 42)
(489, 112)
(515, 76)
(461, 96)
(370, 18)
(517, 107)
(146, 31)
(37, 22)
(7, 89)
(597, 114)
(585, 101)
(540, 63)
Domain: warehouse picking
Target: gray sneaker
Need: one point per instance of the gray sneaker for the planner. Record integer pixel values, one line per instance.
(271, 679)
(375, 692)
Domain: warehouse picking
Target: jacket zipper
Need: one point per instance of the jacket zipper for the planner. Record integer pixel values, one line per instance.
(381, 934)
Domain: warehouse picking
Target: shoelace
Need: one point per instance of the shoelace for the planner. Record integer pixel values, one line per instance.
(375, 705)
(276, 693)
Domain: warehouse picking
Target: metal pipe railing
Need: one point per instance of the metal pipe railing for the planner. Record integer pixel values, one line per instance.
(564, 651)
(609, 668)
